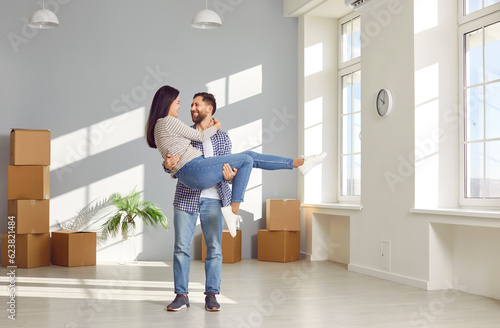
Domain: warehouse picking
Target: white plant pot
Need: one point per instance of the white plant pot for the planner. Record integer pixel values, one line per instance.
(128, 254)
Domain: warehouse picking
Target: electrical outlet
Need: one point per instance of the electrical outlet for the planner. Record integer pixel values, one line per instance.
(385, 255)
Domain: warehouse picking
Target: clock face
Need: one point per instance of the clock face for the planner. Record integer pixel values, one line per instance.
(384, 102)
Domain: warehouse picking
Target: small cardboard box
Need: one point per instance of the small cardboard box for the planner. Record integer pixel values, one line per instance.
(278, 246)
(29, 147)
(283, 214)
(231, 247)
(73, 248)
(30, 216)
(31, 250)
(28, 182)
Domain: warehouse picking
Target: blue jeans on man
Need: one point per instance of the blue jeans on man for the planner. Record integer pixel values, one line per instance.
(184, 226)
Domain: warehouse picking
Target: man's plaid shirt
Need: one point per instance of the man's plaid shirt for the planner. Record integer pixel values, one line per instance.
(188, 200)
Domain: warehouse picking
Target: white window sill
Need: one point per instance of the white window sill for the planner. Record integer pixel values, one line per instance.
(335, 206)
(461, 216)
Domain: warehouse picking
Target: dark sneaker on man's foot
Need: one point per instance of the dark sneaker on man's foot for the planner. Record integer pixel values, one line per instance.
(180, 302)
(211, 302)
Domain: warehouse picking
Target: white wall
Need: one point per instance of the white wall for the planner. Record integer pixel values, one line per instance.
(387, 144)
(91, 82)
(409, 159)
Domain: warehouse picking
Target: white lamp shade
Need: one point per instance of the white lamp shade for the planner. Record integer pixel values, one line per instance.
(43, 18)
(206, 19)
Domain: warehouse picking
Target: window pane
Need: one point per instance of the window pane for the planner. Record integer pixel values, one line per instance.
(475, 119)
(356, 91)
(356, 133)
(490, 2)
(493, 110)
(346, 94)
(356, 37)
(346, 134)
(474, 57)
(492, 183)
(474, 170)
(346, 175)
(472, 5)
(356, 163)
(346, 41)
(492, 52)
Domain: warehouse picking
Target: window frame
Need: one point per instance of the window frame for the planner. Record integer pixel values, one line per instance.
(471, 25)
(345, 198)
(345, 68)
(463, 18)
(353, 61)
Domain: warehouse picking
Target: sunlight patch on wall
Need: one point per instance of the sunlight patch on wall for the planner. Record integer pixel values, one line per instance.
(122, 182)
(425, 15)
(427, 136)
(64, 207)
(426, 84)
(249, 137)
(219, 89)
(313, 144)
(313, 59)
(236, 87)
(245, 84)
(97, 138)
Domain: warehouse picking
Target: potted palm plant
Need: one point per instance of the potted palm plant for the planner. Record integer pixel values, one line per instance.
(129, 208)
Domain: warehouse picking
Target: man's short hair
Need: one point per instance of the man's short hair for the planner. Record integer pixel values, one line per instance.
(209, 99)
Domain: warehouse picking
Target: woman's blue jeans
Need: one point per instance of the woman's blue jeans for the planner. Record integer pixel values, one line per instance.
(202, 173)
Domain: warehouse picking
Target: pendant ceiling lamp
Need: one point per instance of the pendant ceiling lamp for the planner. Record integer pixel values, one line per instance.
(43, 19)
(206, 19)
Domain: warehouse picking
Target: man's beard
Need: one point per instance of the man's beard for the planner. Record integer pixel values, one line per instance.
(198, 118)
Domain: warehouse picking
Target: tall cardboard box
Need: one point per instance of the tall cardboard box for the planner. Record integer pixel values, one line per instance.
(231, 247)
(28, 182)
(73, 248)
(31, 250)
(30, 216)
(29, 147)
(278, 246)
(283, 214)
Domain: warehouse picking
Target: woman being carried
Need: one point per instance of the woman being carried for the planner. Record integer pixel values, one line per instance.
(171, 136)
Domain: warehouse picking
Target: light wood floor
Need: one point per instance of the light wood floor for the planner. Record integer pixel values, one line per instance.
(254, 294)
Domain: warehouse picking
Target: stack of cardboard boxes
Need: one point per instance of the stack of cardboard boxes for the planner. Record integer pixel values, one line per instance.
(28, 200)
(280, 241)
(27, 243)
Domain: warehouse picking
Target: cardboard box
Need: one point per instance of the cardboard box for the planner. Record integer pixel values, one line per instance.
(30, 216)
(73, 248)
(29, 147)
(283, 214)
(31, 250)
(28, 182)
(231, 247)
(278, 246)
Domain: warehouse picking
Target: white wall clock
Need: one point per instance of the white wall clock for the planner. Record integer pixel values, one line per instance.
(384, 102)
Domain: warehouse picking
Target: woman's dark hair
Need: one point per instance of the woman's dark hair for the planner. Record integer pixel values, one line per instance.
(208, 98)
(162, 100)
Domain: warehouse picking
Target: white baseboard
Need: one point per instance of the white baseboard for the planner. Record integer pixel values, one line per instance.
(389, 276)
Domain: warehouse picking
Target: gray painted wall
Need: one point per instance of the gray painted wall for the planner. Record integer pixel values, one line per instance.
(97, 66)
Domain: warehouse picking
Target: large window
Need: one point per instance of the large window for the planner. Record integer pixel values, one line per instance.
(481, 108)
(350, 109)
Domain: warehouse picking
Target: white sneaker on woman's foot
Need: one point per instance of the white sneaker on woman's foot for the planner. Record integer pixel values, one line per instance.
(232, 220)
(310, 162)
